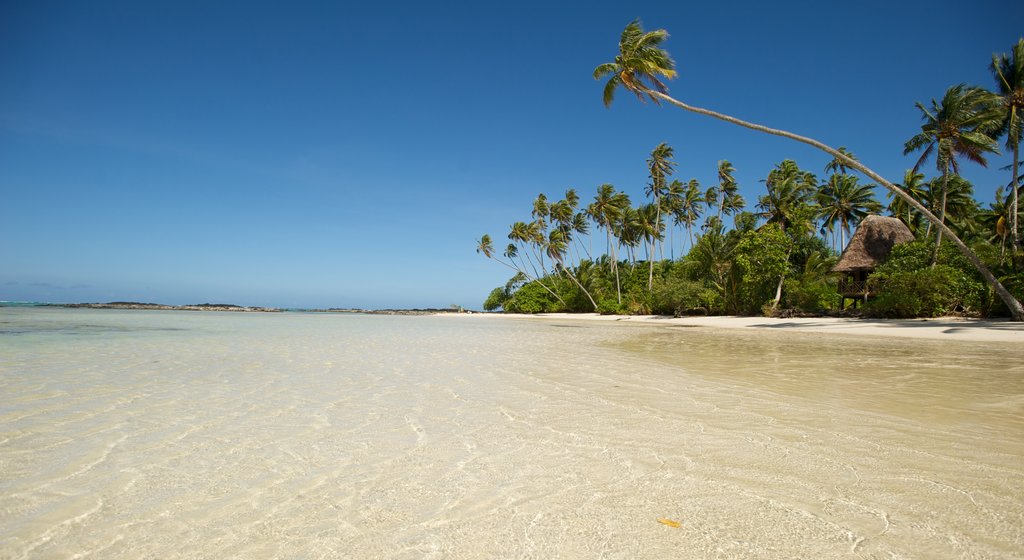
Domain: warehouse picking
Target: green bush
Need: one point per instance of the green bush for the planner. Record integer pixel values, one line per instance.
(531, 298)
(678, 296)
(928, 292)
(812, 296)
(908, 286)
(496, 299)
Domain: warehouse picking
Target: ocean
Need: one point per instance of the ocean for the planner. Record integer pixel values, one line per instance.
(165, 434)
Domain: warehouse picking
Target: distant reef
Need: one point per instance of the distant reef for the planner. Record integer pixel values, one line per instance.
(163, 307)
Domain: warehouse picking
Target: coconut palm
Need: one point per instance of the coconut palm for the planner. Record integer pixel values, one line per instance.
(913, 185)
(556, 246)
(959, 196)
(789, 190)
(995, 222)
(1008, 71)
(842, 200)
(661, 167)
(606, 211)
(954, 128)
(486, 247)
(671, 204)
(691, 205)
(729, 191)
(639, 67)
(838, 165)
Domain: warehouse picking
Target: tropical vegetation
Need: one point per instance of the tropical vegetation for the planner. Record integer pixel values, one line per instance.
(775, 256)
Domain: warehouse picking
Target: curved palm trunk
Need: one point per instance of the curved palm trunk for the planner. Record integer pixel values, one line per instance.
(1016, 310)
(574, 279)
(531, 278)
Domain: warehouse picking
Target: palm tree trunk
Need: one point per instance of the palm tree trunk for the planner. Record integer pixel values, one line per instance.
(615, 263)
(942, 216)
(671, 244)
(574, 279)
(1015, 239)
(1016, 310)
(531, 278)
(650, 267)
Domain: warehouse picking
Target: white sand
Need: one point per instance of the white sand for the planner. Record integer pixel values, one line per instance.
(945, 328)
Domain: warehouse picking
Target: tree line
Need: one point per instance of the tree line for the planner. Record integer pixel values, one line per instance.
(778, 253)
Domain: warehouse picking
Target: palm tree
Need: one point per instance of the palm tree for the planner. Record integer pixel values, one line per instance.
(638, 65)
(641, 63)
(954, 127)
(485, 246)
(691, 204)
(844, 201)
(1008, 70)
(606, 211)
(838, 165)
(556, 246)
(671, 204)
(960, 203)
(914, 186)
(994, 220)
(729, 191)
(661, 167)
(789, 190)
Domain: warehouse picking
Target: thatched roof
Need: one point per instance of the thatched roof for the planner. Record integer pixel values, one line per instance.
(871, 244)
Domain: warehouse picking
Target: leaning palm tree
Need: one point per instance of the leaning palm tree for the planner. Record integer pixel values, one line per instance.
(641, 65)
(486, 247)
(1008, 70)
(954, 128)
(558, 242)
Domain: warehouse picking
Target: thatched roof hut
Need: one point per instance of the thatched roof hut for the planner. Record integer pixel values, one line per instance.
(872, 243)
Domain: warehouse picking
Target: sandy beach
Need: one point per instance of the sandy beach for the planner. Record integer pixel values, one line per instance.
(944, 328)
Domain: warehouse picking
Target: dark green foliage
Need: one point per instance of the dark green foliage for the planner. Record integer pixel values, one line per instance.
(928, 292)
(907, 286)
(678, 296)
(810, 295)
(495, 300)
(762, 257)
(531, 298)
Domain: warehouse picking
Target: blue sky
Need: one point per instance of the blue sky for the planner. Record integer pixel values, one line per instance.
(331, 154)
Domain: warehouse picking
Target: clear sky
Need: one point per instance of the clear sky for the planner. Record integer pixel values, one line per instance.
(333, 154)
